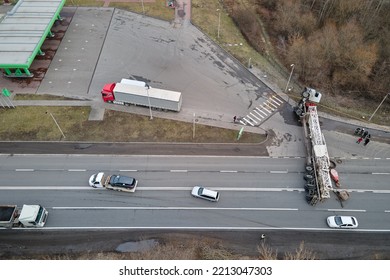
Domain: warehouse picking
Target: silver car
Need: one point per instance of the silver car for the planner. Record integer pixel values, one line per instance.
(202, 192)
(342, 222)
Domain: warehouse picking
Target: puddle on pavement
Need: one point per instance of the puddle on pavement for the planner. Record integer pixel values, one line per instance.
(137, 246)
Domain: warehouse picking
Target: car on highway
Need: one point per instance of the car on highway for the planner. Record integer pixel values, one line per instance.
(342, 222)
(113, 182)
(204, 193)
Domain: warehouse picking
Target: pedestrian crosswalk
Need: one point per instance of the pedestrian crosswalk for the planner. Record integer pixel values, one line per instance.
(262, 111)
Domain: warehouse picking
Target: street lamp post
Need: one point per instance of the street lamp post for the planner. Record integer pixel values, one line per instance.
(289, 78)
(219, 22)
(378, 106)
(193, 127)
(143, 7)
(56, 124)
(150, 107)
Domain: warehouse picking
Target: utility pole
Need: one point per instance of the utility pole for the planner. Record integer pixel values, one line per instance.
(150, 107)
(56, 124)
(378, 107)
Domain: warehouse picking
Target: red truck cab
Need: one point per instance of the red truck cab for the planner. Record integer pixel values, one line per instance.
(108, 92)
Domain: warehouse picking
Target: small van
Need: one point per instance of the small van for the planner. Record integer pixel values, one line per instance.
(202, 192)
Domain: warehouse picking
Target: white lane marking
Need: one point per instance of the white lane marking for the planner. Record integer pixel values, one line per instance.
(24, 170)
(228, 171)
(178, 170)
(77, 170)
(44, 188)
(51, 169)
(173, 208)
(279, 171)
(128, 170)
(346, 210)
(367, 190)
(380, 173)
(276, 189)
(148, 188)
(195, 228)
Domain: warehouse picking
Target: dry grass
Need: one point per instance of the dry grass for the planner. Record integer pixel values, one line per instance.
(194, 249)
(36, 124)
(20, 96)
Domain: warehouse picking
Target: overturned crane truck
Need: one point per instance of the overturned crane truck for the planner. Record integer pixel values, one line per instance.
(130, 92)
(28, 216)
(318, 181)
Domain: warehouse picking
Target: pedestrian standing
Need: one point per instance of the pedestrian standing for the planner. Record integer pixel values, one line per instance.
(234, 119)
(359, 140)
(365, 134)
(366, 141)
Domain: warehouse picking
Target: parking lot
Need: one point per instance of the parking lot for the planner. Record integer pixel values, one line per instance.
(94, 46)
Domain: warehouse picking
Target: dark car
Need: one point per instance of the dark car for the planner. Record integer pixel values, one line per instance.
(122, 183)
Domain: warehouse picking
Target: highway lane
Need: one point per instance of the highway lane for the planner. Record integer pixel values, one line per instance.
(256, 192)
(68, 170)
(93, 208)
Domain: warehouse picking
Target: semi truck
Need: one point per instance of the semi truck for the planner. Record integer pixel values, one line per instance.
(33, 216)
(131, 92)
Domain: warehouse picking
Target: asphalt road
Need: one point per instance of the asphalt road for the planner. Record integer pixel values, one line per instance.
(163, 206)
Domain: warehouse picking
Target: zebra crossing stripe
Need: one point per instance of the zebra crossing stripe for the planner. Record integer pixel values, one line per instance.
(271, 105)
(279, 100)
(248, 121)
(252, 120)
(265, 109)
(254, 116)
(261, 113)
(275, 102)
(258, 114)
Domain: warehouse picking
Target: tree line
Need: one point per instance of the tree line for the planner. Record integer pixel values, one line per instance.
(340, 46)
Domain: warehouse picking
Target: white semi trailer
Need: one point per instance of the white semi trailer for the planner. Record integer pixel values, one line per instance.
(130, 92)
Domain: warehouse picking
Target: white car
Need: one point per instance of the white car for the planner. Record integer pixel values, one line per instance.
(113, 182)
(202, 192)
(342, 222)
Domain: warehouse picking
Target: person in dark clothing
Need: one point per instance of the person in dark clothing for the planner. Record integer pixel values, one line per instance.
(366, 141)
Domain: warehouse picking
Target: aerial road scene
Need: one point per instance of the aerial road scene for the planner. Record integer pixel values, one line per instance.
(175, 130)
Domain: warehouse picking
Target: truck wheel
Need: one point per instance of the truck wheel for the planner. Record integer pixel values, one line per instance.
(309, 168)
